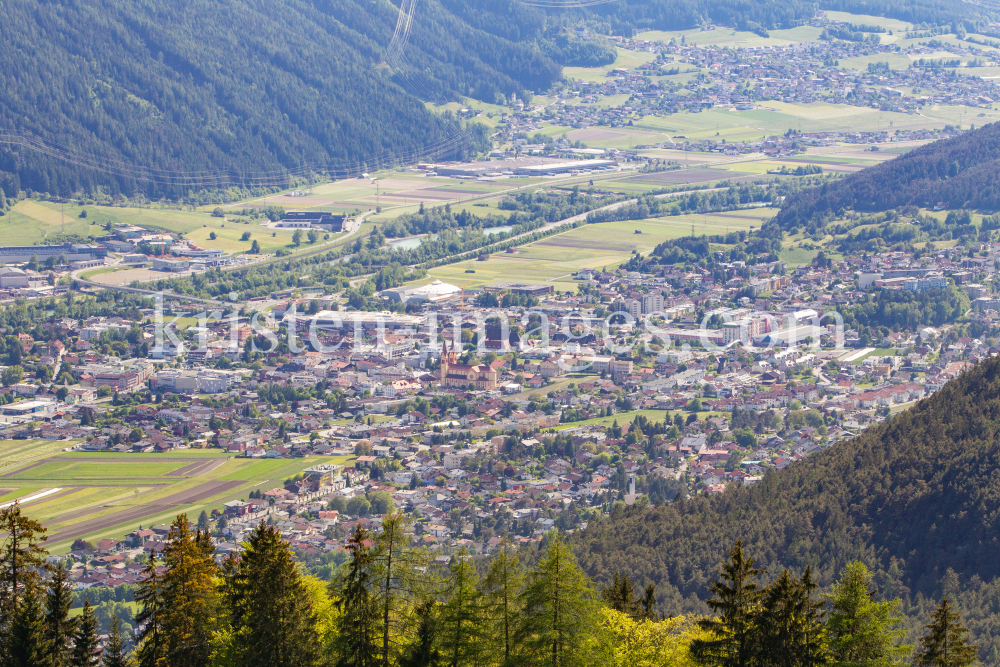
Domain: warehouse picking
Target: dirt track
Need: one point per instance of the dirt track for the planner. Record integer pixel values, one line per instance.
(194, 495)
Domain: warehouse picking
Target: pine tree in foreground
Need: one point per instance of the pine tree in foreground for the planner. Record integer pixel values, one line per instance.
(116, 649)
(59, 627)
(357, 600)
(947, 643)
(26, 644)
(189, 600)
(269, 607)
(422, 652)
(85, 643)
(737, 604)
(149, 595)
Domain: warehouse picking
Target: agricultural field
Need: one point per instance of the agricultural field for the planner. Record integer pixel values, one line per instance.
(557, 258)
(100, 495)
(32, 221)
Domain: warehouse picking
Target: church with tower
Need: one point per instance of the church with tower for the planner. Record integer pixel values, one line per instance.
(454, 374)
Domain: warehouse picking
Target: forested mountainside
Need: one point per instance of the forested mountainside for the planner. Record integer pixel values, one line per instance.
(962, 172)
(205, 94)
(912, 498)
(166, 98)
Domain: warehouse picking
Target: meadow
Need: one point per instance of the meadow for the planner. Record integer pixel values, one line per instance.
(557, 258)
(98, 495)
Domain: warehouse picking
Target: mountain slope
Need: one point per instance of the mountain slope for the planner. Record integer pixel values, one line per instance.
(914, 497)
(962, 172)
(190, 94)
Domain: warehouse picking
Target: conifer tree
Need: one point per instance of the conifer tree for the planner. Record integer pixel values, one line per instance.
(357, 599)
(502, 589)
(59, 627)
(649, 603)
(559, 608)
(150, 650)
(85, 642)
(737, 604)
(461, 613)
(116, 649)
(620, 595)
(21, 558)
(789, 626)
(189, 600)
(26, 644)
(861, 629)
(947, 643)
(423, 652)
(269, 607)
(397, 565)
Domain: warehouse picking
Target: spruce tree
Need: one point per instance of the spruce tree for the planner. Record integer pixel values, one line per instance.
(620, 595)
(116, 649)
(85, 642)
(26, 644)
(150, 651)
(357, 599)
(558, 608)
(270, 610)
(59, 627)
(737, 605)
(947, 643)
(789, 626)
(502, 589)
(189, 599)
(862, 630)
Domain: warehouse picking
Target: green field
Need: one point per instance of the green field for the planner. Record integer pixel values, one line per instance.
(108, 495)
(556, 259)
(31, 222)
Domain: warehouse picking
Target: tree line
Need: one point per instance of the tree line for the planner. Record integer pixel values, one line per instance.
(392, 604)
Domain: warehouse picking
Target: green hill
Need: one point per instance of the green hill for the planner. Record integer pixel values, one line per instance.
(961, 172)
(917, 499)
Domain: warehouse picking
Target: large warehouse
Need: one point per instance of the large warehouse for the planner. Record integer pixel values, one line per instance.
(525, 166)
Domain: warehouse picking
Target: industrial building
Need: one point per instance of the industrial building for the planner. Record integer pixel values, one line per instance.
(525, 166)
(312, 220)
(73, 252)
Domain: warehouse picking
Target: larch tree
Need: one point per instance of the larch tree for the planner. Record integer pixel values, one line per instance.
(559, 609)
(461, 614)
(862, 630)
(502, 589)
(397, 565)
(947, 642)
(269, 606)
